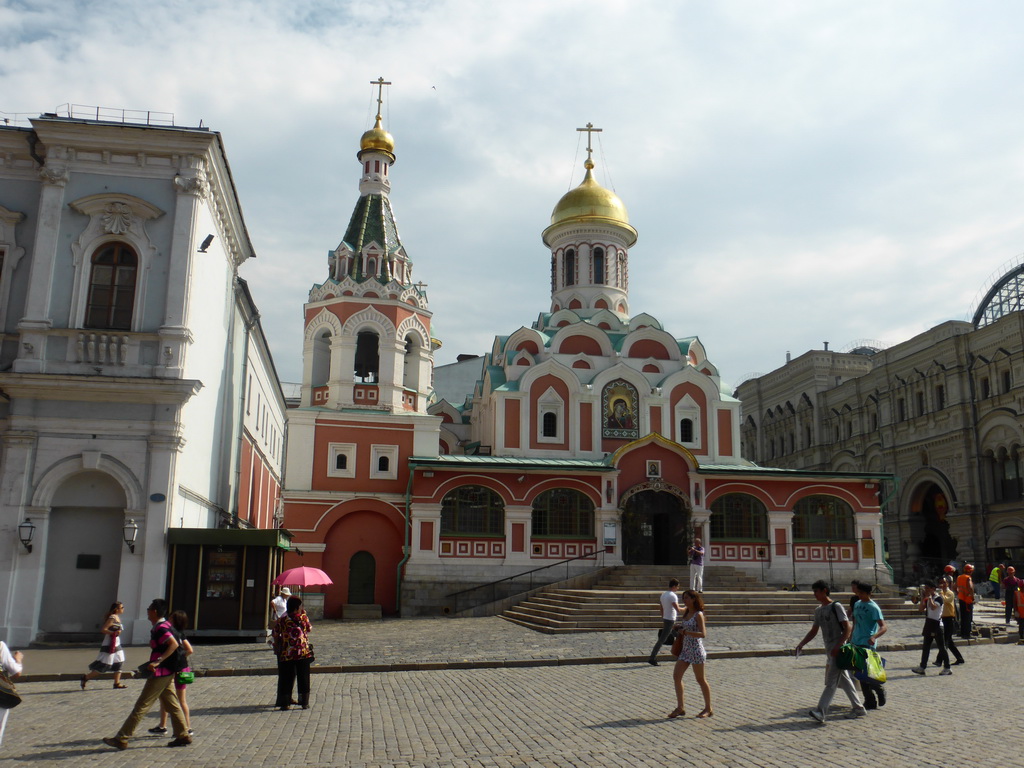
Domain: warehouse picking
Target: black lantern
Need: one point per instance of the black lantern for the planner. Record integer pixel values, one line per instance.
(131, 532)
(26, 531)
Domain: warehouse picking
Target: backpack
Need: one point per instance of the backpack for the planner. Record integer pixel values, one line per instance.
(178, 660)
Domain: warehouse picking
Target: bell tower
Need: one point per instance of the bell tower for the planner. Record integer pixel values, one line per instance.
(590, 238)
(367, 326)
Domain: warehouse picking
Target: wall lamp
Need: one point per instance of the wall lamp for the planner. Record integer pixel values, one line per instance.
(131, 532)
(26, 531)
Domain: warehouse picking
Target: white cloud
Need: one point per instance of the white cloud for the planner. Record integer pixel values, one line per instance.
(798, 171)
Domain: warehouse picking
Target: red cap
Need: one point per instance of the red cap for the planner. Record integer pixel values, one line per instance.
(968, 568)
(949, 569)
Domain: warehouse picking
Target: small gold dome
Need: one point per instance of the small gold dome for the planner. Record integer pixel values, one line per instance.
(590, 201)
(377, 140)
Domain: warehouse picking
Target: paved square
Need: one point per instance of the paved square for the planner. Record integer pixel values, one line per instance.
(584, 715)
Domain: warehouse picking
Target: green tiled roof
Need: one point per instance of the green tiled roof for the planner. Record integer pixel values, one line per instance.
(753, 469)
(510, 462)
(372, 221)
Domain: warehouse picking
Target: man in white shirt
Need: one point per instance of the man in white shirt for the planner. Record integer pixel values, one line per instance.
(280, 603)
(669, 610)
(931, 604)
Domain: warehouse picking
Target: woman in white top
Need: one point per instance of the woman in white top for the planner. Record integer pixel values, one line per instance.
(111, 655)
(11, 663)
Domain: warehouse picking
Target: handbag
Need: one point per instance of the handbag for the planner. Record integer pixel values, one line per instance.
(677, 644)
(850, 657)
(144, 671)
(185, 678)
(9, 696)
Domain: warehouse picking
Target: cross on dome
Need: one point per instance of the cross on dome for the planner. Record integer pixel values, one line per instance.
(591, 130)
(380, 82)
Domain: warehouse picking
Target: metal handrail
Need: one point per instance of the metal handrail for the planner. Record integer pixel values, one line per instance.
(493, 584)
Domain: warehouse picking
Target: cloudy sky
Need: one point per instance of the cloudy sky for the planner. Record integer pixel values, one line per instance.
(798, 171)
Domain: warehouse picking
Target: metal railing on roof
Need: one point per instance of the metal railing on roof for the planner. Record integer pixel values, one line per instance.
(87, 112)
(114, 115)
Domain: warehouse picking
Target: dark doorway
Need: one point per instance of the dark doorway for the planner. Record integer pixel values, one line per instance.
(362, 573)
(655, 529)
(937, 546)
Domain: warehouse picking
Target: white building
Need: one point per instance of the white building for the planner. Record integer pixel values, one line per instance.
(137, 387)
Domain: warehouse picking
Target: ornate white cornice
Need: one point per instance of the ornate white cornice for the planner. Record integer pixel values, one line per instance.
(193, 184)
(56, 174)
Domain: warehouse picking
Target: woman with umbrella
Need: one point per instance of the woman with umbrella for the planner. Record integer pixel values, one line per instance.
(294, 654)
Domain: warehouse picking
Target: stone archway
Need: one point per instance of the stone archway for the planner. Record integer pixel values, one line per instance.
(84, 546)
(930, 545)
(656, 526)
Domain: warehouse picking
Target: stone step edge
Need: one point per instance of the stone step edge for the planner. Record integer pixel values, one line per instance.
(499, 664)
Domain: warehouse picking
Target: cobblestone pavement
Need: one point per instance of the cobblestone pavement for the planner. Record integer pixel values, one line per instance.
(580, 715)
(491, 640)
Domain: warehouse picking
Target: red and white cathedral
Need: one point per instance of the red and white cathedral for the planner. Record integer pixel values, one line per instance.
(590, 430)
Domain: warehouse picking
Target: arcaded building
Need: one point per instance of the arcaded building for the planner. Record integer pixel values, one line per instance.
(941, 412)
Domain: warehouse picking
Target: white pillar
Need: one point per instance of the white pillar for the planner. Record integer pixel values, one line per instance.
(519, 518)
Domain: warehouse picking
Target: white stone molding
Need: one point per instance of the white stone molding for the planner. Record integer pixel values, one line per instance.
(369, 318)
(323, 318)
(194, 182)
(414, 325)
(8, 221)
(57, 473)
(55, 173)
(323, 291)
(113, 218)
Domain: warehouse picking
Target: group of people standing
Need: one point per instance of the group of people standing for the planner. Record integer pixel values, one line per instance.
(1012, 595)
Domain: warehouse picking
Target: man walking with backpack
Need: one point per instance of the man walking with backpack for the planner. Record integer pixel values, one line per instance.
(165, 660)
(835, 630)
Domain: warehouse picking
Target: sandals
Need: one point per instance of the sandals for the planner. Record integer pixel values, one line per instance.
(676, 713)
(117, 685)
(705, 713)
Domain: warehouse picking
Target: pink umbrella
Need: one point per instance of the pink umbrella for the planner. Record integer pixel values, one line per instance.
(303, 576)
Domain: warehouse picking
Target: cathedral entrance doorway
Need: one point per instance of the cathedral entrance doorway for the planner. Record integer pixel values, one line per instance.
(929, 530)
(655, 527)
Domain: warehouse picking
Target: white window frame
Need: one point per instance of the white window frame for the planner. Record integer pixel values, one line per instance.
(391, 452)
(550, 402)
(346, 449)
(687, 408)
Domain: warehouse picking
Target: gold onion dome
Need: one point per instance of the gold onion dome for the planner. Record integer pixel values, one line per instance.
(591, 202)
(377, 140)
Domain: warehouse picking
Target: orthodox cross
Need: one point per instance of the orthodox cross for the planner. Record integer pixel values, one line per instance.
(591, 130)
(380, 82)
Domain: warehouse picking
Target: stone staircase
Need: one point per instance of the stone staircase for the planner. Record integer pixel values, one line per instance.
(627, 599)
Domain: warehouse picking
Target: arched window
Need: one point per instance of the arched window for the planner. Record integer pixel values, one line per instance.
(367, 356)
(383, 464)
(550, 425)
(686, 431)
(321, 371)
(738, 516)
(341, 461)
(112, 288)
(822, 518)
(599, 266)
(570, 267)
(563, 512)
(473, 510)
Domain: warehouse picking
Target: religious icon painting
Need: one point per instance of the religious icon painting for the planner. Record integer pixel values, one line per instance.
(619, 410)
